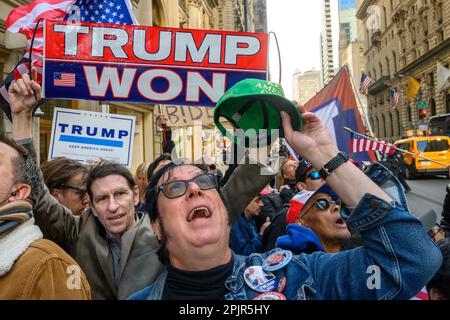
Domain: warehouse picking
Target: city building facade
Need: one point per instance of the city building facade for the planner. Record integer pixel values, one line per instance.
(306, 85)
(405, 39)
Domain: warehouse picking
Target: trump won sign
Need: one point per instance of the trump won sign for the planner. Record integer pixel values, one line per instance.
(132, 63)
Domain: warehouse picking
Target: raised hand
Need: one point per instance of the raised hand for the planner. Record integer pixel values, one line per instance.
(24, 94)
(313, 139)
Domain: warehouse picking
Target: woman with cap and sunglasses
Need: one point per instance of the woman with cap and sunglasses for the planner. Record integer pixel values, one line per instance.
(314, 223)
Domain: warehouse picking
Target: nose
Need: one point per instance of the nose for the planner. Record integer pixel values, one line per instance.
(84, 200)
(112, 205)
(193, 190)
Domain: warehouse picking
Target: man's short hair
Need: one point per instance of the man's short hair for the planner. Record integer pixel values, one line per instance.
(302, 169)
(212, 166)
(104, 169)
(25, 166)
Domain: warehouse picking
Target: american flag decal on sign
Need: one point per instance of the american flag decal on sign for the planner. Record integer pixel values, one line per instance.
(64, 79)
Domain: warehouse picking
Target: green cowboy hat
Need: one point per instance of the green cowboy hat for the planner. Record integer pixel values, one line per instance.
(255, 104)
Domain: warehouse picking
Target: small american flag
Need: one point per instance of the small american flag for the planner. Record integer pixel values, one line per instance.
(366, 81)
(395, 98)
(64, 79)
(361, 143)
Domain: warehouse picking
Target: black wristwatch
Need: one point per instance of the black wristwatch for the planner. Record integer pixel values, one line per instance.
(333, 164)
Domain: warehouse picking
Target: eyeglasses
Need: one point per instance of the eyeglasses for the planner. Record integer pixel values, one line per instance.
(322, 204)
(81, 192)
(178, 188)
(314, 175)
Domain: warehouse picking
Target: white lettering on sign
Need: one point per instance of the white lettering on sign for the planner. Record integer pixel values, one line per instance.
(120, 87)
(235, 48)
(140, 40)
(211, 44)
(209, 50)
(197, 82)
(71, 33)
(174, 88)
(115, 40)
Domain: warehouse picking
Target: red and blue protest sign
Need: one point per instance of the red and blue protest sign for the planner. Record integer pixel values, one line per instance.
(336, 106)
(108, 62)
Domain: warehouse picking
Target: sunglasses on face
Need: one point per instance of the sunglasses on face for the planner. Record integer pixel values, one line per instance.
(178, 188)
(322, 204)
(81, 192)
(314, 175)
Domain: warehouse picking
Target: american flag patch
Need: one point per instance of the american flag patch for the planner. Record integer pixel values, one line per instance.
(63, 79)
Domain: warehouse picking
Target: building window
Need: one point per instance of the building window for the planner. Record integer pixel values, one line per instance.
(385, 18)
(439, 13)
(388, 66)
(391, 125)
(433, 107)
(392, 6)
(399, 123)
(447, 103)
(394, 57)
(425, 25)
(409, 113)
(381, 69)
(440, 36)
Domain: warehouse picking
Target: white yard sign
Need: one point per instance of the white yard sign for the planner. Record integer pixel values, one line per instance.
(89, 137)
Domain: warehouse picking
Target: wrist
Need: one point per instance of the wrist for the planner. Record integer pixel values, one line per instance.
(320, 156)
(21, 116)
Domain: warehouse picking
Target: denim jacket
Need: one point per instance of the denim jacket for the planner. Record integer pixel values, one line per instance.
(397, 259)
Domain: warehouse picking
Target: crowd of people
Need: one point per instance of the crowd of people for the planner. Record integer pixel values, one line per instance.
(179, 231)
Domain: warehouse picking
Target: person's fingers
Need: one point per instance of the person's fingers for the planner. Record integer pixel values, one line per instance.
(310, 117)
(287, 126)
(267, 219)
(26, 81)
(36, 89)
(14, 88)
(22, 88)
(34, 73)
(299, 106)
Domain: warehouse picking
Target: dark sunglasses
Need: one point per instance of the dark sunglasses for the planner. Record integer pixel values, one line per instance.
(314, 175)
(322, 204)
(81, 192)
(178, 188)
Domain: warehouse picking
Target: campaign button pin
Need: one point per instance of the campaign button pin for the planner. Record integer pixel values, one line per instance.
(272, 295)
(260, 281)
(277, 260)
(281, 284)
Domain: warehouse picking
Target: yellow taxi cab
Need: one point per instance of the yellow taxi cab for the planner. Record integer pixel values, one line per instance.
(433, 147)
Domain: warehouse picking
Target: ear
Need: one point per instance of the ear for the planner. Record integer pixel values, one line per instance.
(157, 229)
(22, 191)
(135, 195)
(300, 186)
(55, 193)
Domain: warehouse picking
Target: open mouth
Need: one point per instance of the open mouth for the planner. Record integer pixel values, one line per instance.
(200, 212)
(117, 217)
(340, 222)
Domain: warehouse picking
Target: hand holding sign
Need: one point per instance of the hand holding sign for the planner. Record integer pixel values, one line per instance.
(24, 94)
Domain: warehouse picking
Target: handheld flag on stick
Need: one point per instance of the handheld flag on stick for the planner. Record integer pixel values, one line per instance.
(360, 142)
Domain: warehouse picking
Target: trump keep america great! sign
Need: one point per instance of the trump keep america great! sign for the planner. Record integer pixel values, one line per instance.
(132, 63)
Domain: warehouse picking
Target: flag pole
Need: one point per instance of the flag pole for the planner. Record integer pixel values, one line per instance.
(398, 149)
(363, 107)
